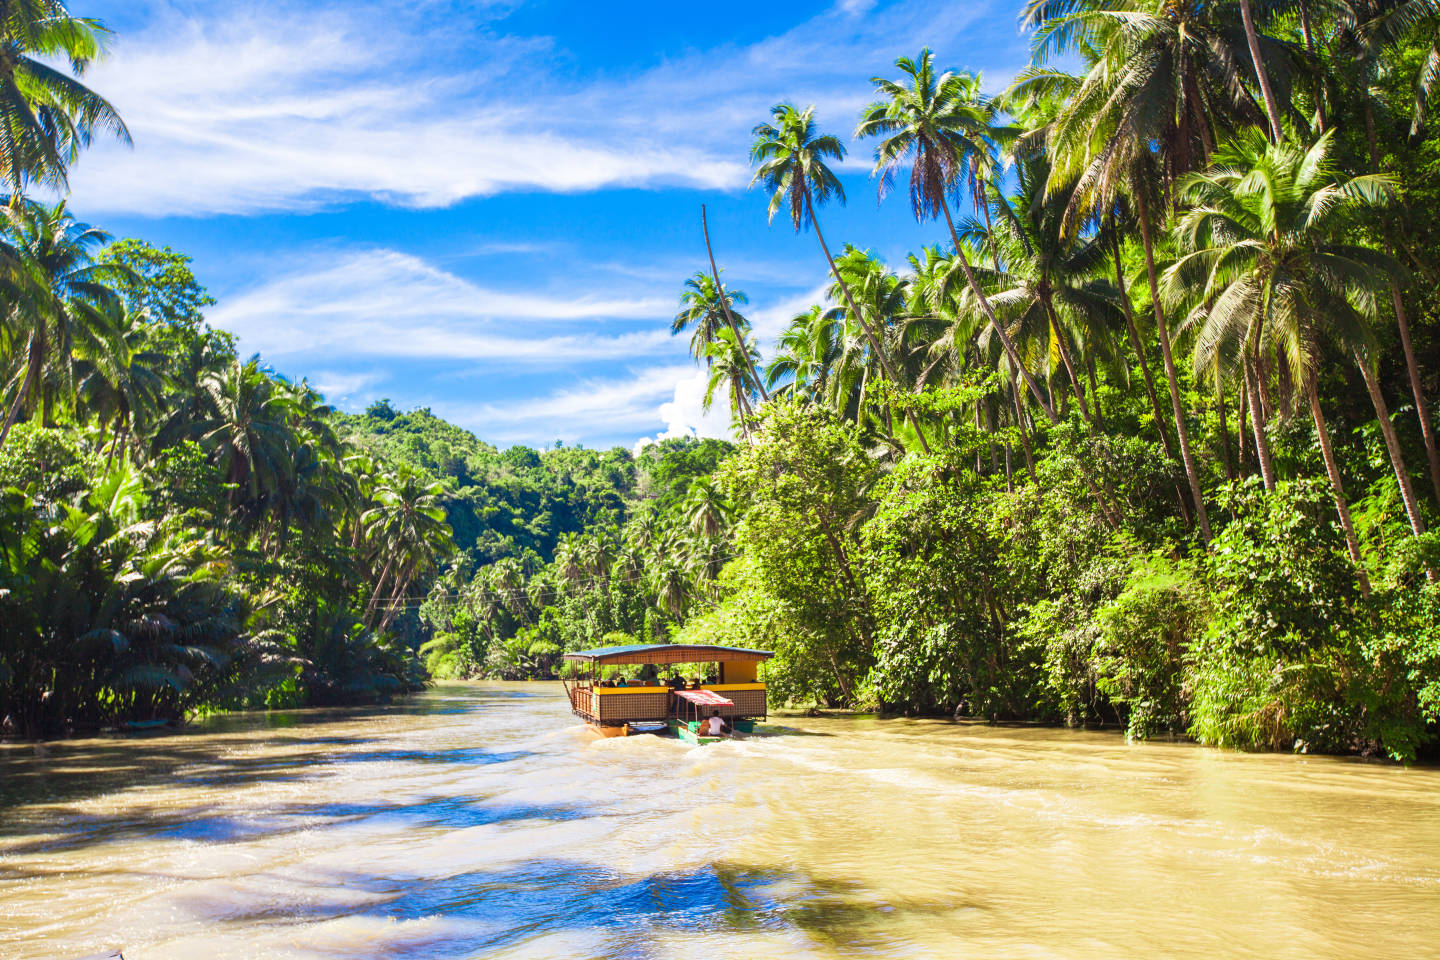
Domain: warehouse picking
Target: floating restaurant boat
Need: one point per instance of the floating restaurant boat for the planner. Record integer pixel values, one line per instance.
(653, 706)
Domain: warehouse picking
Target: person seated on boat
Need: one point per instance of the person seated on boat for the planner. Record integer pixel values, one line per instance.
(714, 724)
(677, 682)
(622, 682)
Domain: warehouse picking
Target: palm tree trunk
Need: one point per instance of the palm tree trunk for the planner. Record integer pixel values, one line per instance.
(1310, 48)
(725, 304)
(1422, 406)
(1094, 388)
(1392, 445)
(1240, 432)
(1181, 432)
(1024, 433)
(1257, 424)
(34, 351)
(989, 311)
(978, 471)
(1224, 432)
(860, 318)
(1139, 347)
(1069, 363)
(380, 585)
(1253, 40)
(1337, 485)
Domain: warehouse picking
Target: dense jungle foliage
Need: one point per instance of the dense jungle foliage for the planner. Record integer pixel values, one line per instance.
(1144, 438)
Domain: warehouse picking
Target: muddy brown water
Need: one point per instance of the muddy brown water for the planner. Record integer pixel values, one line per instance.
(478, 820)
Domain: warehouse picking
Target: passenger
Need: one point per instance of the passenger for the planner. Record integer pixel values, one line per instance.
(622, 682)
(715, 724)
(677, 682)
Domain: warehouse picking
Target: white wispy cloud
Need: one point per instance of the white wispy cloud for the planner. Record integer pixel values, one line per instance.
(597, 407)
(383, 303)
(342, 386)
(242, 107)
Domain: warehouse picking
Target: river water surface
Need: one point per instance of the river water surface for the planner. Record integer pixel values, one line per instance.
(481, 821)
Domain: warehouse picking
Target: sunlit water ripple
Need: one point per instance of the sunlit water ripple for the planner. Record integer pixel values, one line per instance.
(482, 821)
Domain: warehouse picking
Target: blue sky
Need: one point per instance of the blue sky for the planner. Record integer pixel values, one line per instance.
(490, 209)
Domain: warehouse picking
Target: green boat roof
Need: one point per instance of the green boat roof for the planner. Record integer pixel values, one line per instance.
(668, 653)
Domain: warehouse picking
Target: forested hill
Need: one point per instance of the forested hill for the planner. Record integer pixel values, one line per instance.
(519, 502)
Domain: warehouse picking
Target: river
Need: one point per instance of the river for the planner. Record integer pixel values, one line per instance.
(482, 821)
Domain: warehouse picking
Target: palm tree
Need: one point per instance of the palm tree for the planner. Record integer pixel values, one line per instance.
(52, 273)
(806, 355)
(1050, 286)
(247, 429)
(790, 155)
(1160, 77)
(46, 116)
(1263, 257)
(706, 510)
(941, 126)
(1367, 32)
(121, 383)
(705, 309)
(406, 524)
(732, 365)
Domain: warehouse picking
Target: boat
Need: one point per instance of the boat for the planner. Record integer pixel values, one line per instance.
(738, 695)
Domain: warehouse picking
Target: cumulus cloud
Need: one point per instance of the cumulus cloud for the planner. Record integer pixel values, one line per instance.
(685, 414)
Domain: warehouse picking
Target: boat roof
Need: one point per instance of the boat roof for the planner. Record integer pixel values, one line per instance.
(668, 653)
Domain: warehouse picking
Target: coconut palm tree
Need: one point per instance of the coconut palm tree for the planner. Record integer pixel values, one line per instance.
(1050, 286)
(1159, 79)
(704, 315)
(49, 259)
(732, 365)
(46, 115)
(247, 429)
(1264, 256)
(806, 355)
(941, 127)
(406, 524)
(706, 509)
(121, 384)
(790, 154)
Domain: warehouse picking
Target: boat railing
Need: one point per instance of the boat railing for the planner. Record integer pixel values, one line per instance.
(617, 705)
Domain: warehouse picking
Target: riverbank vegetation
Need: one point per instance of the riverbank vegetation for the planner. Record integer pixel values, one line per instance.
(1143, 438)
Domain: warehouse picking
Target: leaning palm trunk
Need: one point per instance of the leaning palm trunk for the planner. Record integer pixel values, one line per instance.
(725, 305)
(860, 318)
(34, 358)
(1024, 433)
(1337, 485)
(1422, 406)
(995, 323)
(1252, 38)
(1181, 431)
(1069, 363)
(1397, 458)
(1257, 424)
